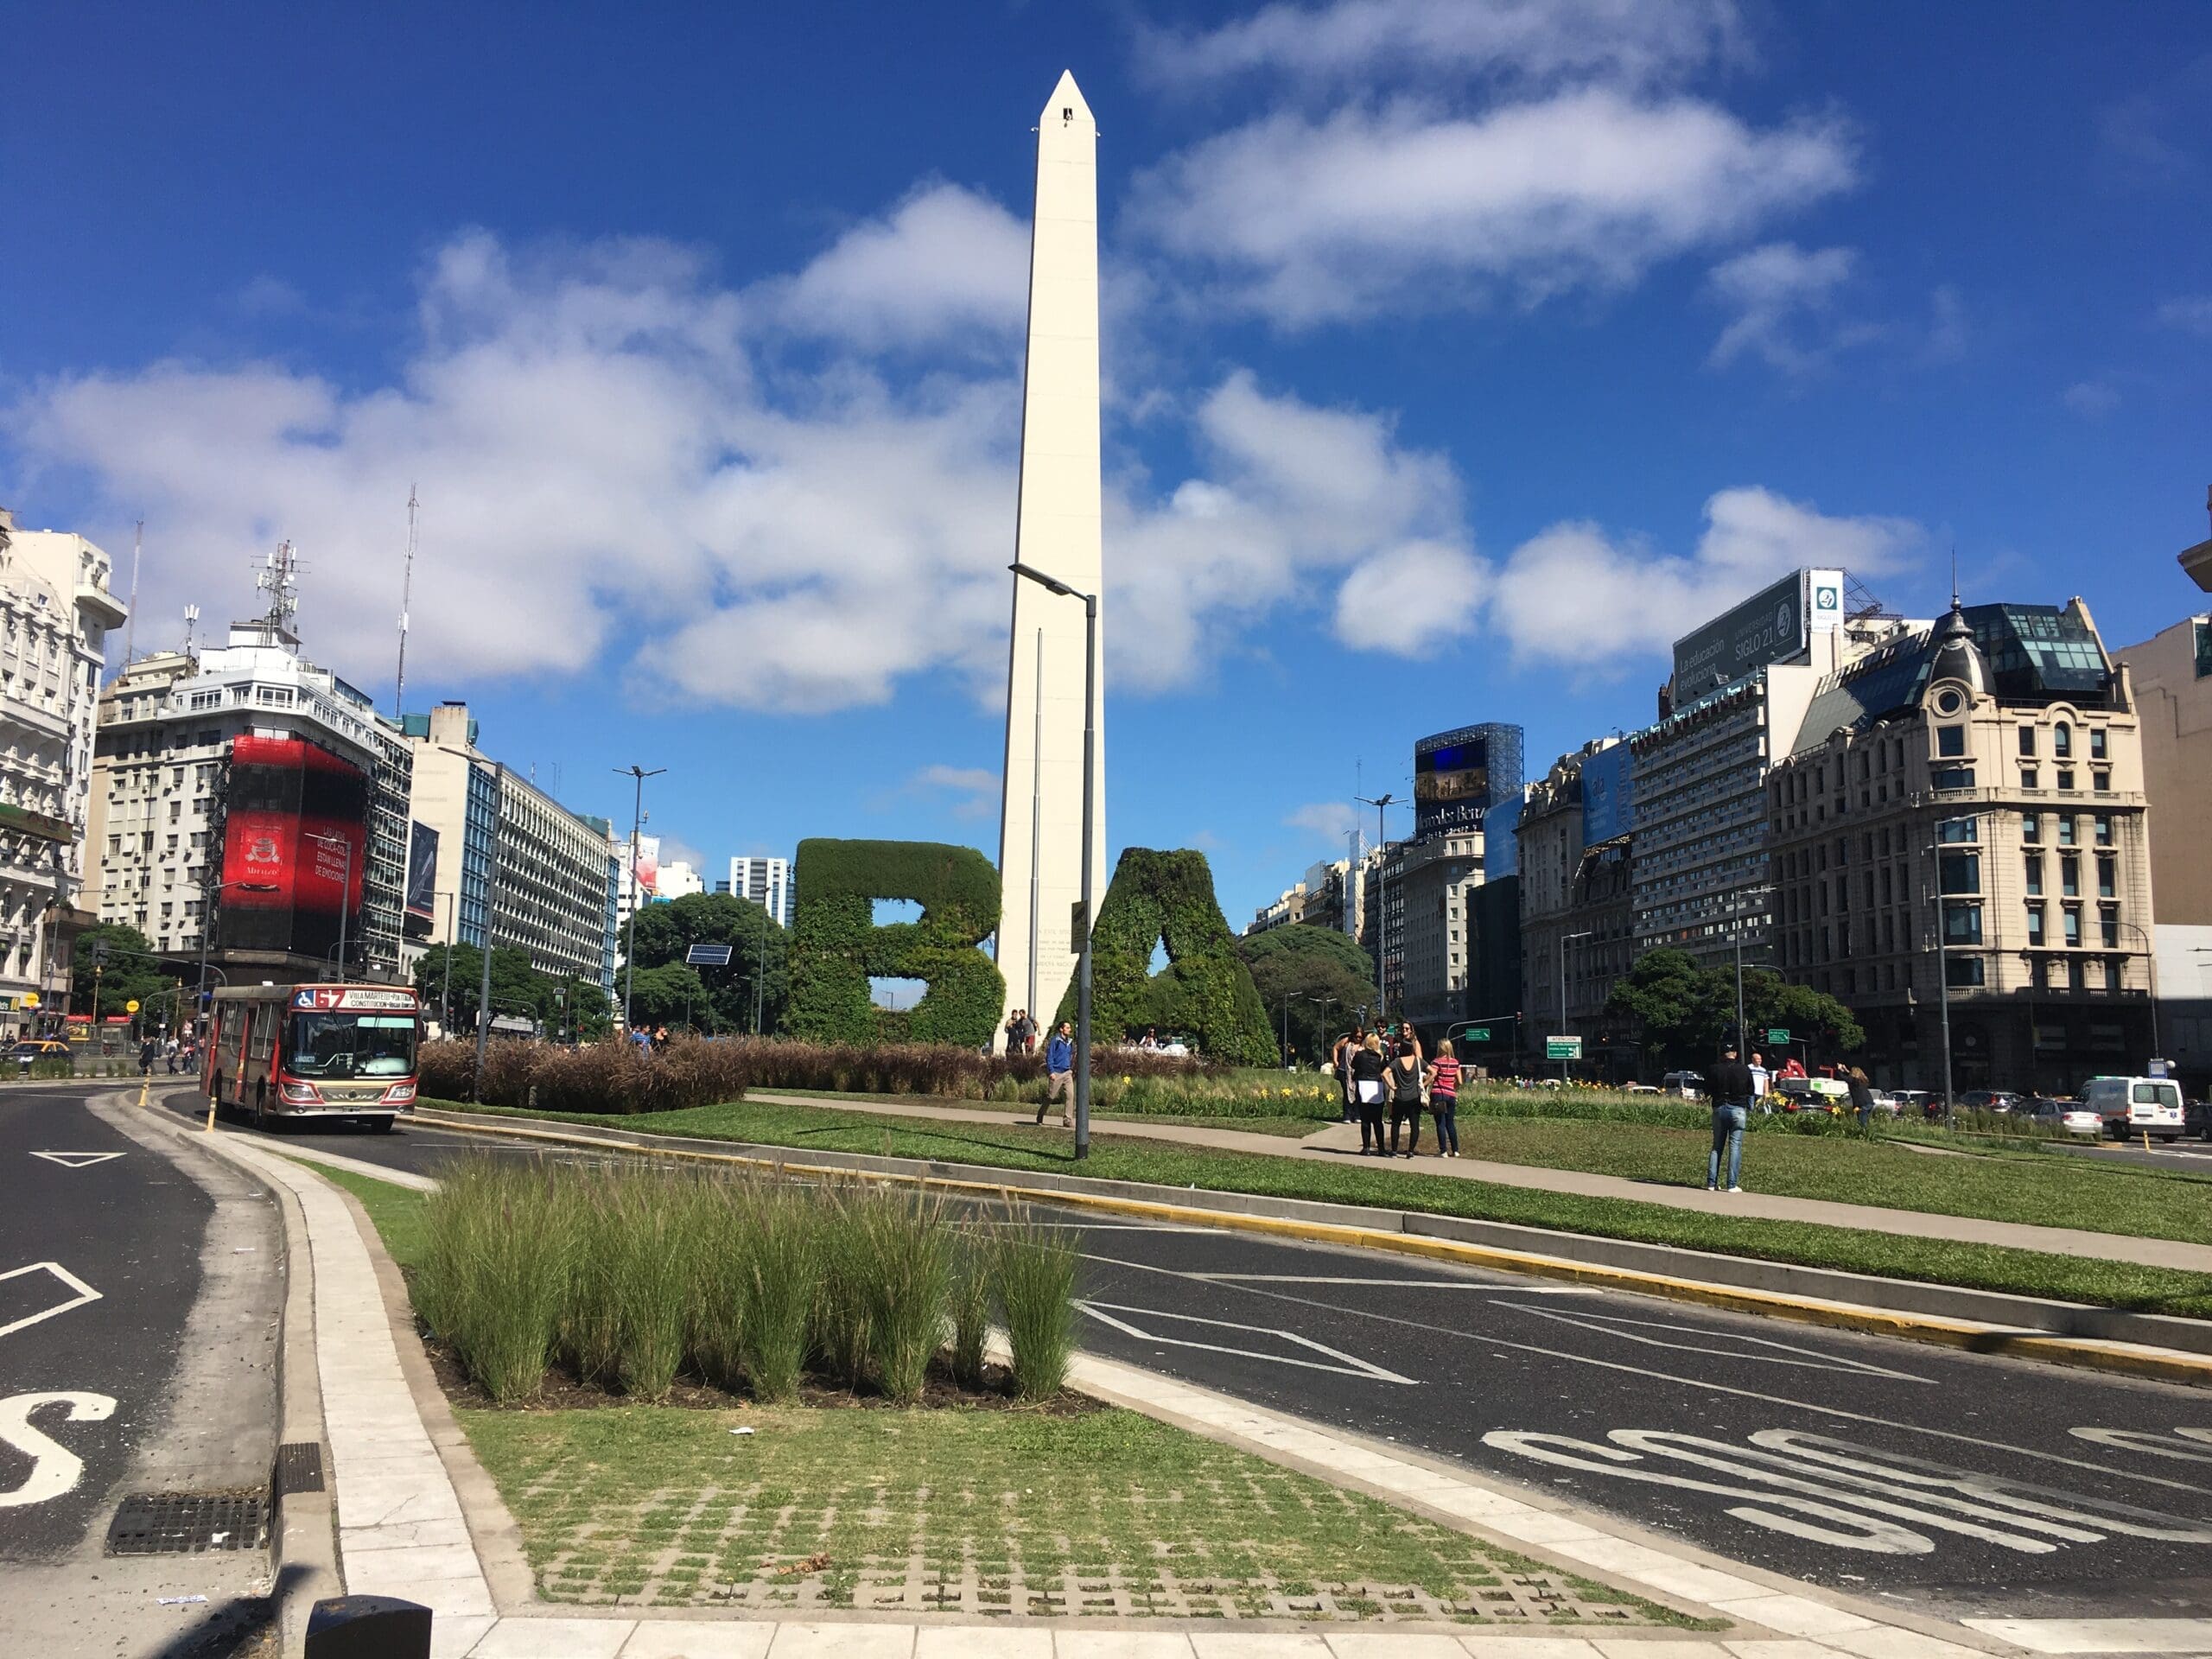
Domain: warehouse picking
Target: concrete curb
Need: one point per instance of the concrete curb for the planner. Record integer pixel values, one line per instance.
(2037, 1330)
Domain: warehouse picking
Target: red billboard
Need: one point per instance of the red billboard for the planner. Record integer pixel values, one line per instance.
(295, 833)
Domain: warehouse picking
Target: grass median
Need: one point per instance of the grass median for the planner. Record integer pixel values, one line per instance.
(1399, 1185)
(980, 1508)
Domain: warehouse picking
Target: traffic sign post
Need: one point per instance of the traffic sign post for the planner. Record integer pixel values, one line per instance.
(1562, 1048)
(1475, 1034)
(1778, 1036)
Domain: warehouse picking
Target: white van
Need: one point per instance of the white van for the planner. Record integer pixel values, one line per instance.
(2133, 1106)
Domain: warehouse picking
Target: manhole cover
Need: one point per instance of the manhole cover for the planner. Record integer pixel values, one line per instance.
(189, 1523)
(299, 1467)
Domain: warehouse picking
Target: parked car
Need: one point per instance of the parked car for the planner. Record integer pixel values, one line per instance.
(1640, 1088)
(1886, 1101)
(1989, 1100)
(1814, 1094)
(1690, 1085)
(2133, 1106)
(2197, 1118)
(39, 1048)
(1919, 1100)
(2068, 1114)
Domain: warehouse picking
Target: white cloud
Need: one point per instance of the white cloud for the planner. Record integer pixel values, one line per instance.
(2190, 312)
(2092, 399)
(1331, 820)
(1574, 596)
(948, 263)
(975, 790)
(1782, 295)
(1539, 39)
(1409, 599)
(1308, 220)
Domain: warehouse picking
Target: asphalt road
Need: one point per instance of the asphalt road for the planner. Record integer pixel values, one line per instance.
(1958, 1485)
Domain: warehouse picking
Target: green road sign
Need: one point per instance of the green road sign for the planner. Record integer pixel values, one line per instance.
(1475, 1034)
(1777, 1035)
(1562, 1048)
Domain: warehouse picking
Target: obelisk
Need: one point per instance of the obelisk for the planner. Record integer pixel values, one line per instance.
(1056, 532)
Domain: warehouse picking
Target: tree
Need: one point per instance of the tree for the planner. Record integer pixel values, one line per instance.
(466, 969)
(1324, 973)
(1684, 1012)
(560, 1007)
(667, 995)
(666, 933)
(119, 961)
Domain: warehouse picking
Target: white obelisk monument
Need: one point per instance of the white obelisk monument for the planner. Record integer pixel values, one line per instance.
(1056, 532)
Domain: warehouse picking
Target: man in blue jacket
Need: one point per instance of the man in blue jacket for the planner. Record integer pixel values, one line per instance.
(1059, 1072)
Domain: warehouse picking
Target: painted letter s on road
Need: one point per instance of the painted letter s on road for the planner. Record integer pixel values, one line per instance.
(55, 1469)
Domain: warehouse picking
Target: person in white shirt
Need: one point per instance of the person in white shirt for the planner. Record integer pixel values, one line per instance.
(1761, 1079)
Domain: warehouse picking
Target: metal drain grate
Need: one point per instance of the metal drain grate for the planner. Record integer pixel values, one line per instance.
(299, 1468)
(189, 1523)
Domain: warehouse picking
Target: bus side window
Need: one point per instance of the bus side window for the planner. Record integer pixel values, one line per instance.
(263, 1021)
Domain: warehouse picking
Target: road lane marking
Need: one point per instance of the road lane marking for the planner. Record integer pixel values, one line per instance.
(1792, 1480)
(1392, 1284)
(1350, 1366)
(1730, 1389)
(76, 1159)
(2139, 1440)
(85, 1293)
(1785, 1353)
(55, 1470)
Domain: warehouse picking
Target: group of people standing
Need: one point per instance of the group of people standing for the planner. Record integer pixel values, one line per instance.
(1384, 1071)
(1020, 1032)
(180, 1055)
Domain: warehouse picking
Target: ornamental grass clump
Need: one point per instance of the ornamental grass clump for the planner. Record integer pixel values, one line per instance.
(495, 1268)
(1035, 1265)
(779, 1271)
(720, 1281)
(907, 1247)
(969, 1307)
(841, 1301)
(655, 1235)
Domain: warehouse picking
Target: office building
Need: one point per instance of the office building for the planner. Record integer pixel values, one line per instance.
(1739, 690)
(767, 882)
(1577, 927)
(244, 789)
(1437, 874)
(1961, 825)
(55, 614)
(1288, 908)
(511, 863)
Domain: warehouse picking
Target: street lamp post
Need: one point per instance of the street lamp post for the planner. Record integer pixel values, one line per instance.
(491, 909)
(1943, 976)
(1381, 926)
(207, 928)
(1566, 939)
(2150, 957)
(1054, 585)
(637, 822)
(345, 889)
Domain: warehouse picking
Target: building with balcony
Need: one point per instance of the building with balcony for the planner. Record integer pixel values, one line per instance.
(1961, 826)
(56, 614)
(767, 882)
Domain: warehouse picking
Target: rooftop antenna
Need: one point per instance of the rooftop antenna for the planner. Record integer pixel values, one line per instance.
(191, 625)
(130, 625)
(406, 593)
(280, 580)
(1955, 576)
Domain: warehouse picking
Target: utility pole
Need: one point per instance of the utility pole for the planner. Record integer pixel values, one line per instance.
(491, 909)
(130, 624)
(1381, 892)
(637, 774)
(1565, 939)
(406, 595)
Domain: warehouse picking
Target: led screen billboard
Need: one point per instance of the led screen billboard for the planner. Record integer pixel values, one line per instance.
(422, 872)
(295, 829)
(1459, 775)
(1771, 627)
(1608, 794)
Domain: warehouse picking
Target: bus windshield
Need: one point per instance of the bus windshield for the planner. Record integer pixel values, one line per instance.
(351, 1046)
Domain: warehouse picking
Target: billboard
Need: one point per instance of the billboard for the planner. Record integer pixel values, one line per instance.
(421, 872)
(1459, 775)
(1501, 839)
(1772, 626)
(648, 871)
(295, 833)
(1608, 794)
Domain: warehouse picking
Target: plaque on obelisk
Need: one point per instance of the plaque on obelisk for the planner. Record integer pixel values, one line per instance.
(1057, 532)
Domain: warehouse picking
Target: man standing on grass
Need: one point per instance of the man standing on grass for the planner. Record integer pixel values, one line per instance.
(1762, 1080)
(1731, 1086)
(1059, 1072)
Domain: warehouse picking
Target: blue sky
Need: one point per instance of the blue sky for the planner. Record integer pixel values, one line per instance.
(1460, 353)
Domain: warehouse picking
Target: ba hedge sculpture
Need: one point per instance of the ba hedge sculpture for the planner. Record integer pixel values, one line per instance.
(1205, 993)
(836, 948)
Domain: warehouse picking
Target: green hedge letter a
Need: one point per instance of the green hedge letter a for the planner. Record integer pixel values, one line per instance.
(836, 948)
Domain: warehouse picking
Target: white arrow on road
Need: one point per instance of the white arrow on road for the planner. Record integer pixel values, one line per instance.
(76, 1159)
(1350, 1365)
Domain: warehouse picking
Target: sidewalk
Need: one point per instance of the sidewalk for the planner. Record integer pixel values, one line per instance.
(1341, 1141)
(405, 1530)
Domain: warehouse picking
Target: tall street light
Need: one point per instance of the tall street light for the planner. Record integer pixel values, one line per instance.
(2151, 958)
(344, 888)
(1381, 926)
(1566, 939)
(207, 926)
(1943, 973)
(1054, 585)
(636, 822)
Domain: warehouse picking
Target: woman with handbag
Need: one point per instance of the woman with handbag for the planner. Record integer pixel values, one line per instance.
(1444, 1099)
(1368, 1084)
(1405, 1098)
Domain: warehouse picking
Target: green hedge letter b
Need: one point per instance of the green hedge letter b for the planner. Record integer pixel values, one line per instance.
(836, 948)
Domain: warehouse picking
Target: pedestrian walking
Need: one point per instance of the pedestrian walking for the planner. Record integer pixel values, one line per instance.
(1444, 1099)
(1368, 1066)
(1059, 1075)
(1762, 1080)
(1405, 1096)
(1731, 1087)
(146, 1058)
(1862, 1097)
(1340, 1057)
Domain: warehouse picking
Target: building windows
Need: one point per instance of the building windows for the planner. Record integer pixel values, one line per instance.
(1962, 925)
(1950, 741)
(2077, 975)
(2035, 926)
(2107, 879)
(1942, 778)
(2065, 780)
(2115, 976)
(2073, 923)
(2069, 875)
(1956, 831)
(2065, 831)
(2101, 780)
(2108, 927)
(2097, 750)
(2062, 739)
(2031, 827)
(1957, 873)
(2028, 740)
(2103, 822)
(1965, 972)
(2030, 778)
(2032, 868)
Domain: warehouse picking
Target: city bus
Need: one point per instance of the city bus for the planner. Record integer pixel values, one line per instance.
(313, 1051)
